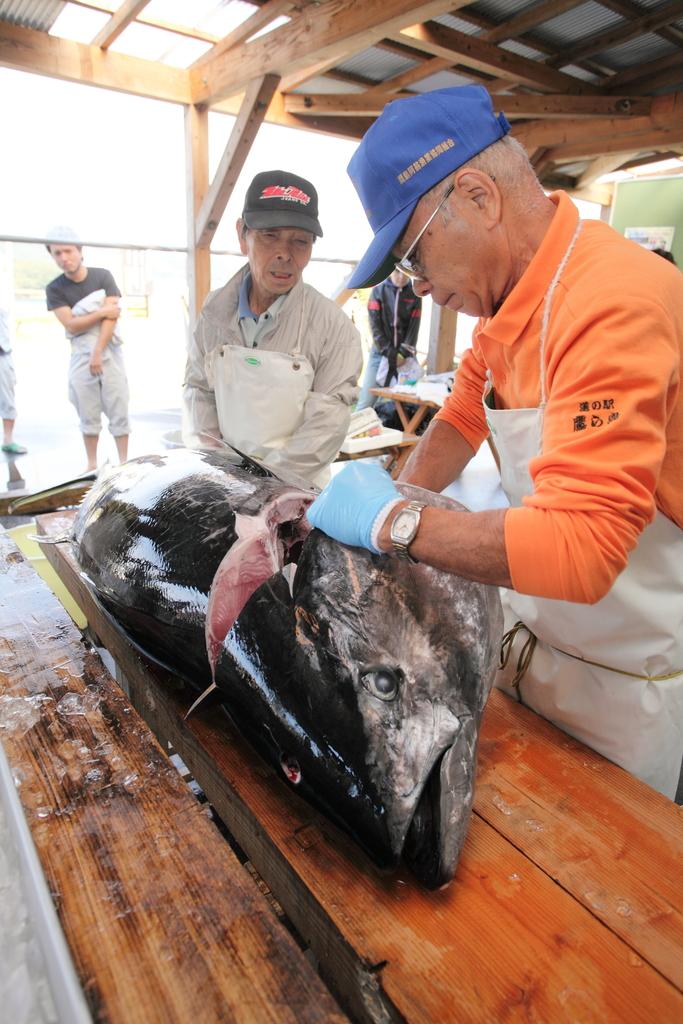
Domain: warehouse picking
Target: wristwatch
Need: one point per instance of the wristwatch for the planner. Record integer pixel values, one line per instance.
(404, 528)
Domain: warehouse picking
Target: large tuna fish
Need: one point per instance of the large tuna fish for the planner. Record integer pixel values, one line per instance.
(363, 678)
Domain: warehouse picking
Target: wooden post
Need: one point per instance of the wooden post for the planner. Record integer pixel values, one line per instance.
(441, 339)
(197, 167)
(251, 115)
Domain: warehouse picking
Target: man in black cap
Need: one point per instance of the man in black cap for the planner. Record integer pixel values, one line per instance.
(273, 365)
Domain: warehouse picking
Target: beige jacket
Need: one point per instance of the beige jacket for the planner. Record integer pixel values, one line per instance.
(328, 340)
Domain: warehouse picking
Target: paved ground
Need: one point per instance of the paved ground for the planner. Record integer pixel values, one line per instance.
(56, 452)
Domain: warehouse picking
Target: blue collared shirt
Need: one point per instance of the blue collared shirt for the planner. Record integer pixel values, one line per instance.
(251, 325)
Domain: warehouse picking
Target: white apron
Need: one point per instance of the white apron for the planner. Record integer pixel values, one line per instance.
(261, 396)
(610, 674)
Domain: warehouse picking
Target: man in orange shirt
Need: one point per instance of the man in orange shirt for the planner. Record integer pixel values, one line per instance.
(575, 371)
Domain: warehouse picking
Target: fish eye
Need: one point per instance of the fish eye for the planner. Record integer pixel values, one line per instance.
(382, 682)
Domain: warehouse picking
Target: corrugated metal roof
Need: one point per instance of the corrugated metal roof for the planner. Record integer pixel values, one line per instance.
(649, 5)
(216, 16)
(572, 27)
(516, 46)
(331, 86)
(155, 44)
(453, 21)
(442, 80)
(376, 64)
(498, 10)
(38, 14)
(636, 51)
(583, 73)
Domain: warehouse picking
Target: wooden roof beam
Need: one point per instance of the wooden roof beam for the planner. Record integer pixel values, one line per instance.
(426, 69)
(557, 106)
(351, 104)
(38, 53)
(334, 30)
(472, 52)
(252, 113)
(547, 133)
(487, 25)
(338, 127)
(630, 10)
(623, 33)
(587, 149)
(527, 19)
(324, 67)
(25, 49)
(666, 114)
(420, 55)
(271, 10)
(119, 21)
(602, 194)
(166, 26)
(664, 79)
(664, 154)
(639, 76)
(371, 104)
(602, 165)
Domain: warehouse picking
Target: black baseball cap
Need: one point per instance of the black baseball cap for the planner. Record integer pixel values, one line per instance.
(279, 199)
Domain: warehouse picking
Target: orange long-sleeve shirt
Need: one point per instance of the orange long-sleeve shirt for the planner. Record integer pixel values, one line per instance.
(613, 426)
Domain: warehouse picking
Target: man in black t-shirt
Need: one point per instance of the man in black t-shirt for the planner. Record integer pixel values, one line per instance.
(85, 301)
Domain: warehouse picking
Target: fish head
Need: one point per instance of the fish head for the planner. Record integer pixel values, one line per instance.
(397, 660)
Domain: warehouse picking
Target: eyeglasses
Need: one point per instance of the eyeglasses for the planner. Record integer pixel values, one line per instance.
(412, 268)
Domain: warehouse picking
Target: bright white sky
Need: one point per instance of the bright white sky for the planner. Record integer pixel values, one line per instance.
(113, 167)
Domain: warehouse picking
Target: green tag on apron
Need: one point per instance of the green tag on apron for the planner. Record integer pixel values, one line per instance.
(252, 361)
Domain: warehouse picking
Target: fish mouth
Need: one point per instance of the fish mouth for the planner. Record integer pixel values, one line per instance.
(439, 825)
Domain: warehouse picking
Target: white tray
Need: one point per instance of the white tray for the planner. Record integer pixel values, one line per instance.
(366, 444)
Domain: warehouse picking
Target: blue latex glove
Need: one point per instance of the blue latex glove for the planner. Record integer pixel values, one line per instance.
(346, 509)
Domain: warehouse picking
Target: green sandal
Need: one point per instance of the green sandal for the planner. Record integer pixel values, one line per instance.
(14, 449)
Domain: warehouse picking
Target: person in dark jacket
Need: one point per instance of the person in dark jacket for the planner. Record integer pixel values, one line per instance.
(394, 312)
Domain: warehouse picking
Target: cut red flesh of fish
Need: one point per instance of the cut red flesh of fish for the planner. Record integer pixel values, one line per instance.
(255, 556)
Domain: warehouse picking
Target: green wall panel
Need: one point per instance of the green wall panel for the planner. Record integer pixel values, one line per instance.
(654, 203)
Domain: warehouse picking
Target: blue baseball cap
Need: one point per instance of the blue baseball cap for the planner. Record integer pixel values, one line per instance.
(412, 145)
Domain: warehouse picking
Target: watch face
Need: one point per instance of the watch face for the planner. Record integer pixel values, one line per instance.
(403, 525)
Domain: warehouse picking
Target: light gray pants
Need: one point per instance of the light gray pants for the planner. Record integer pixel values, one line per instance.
(8, 410)
(106, 394)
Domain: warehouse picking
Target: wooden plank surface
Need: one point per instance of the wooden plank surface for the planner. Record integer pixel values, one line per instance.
(566, 905)
(163, 923)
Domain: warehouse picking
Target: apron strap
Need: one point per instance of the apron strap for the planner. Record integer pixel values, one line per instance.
(529, 646)
(547, 305)
(524, 657)
(296, 351)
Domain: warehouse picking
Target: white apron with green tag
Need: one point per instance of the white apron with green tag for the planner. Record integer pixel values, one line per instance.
(260, 397)
(610, 674)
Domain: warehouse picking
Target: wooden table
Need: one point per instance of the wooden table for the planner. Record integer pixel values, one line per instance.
(567, 904)
(163, 923)
(409, 421)
(394, 456)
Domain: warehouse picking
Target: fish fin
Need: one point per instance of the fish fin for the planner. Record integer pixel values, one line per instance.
(51, 538)
(51, 499)
(200, 699)
(257, 466)
(254, 464)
